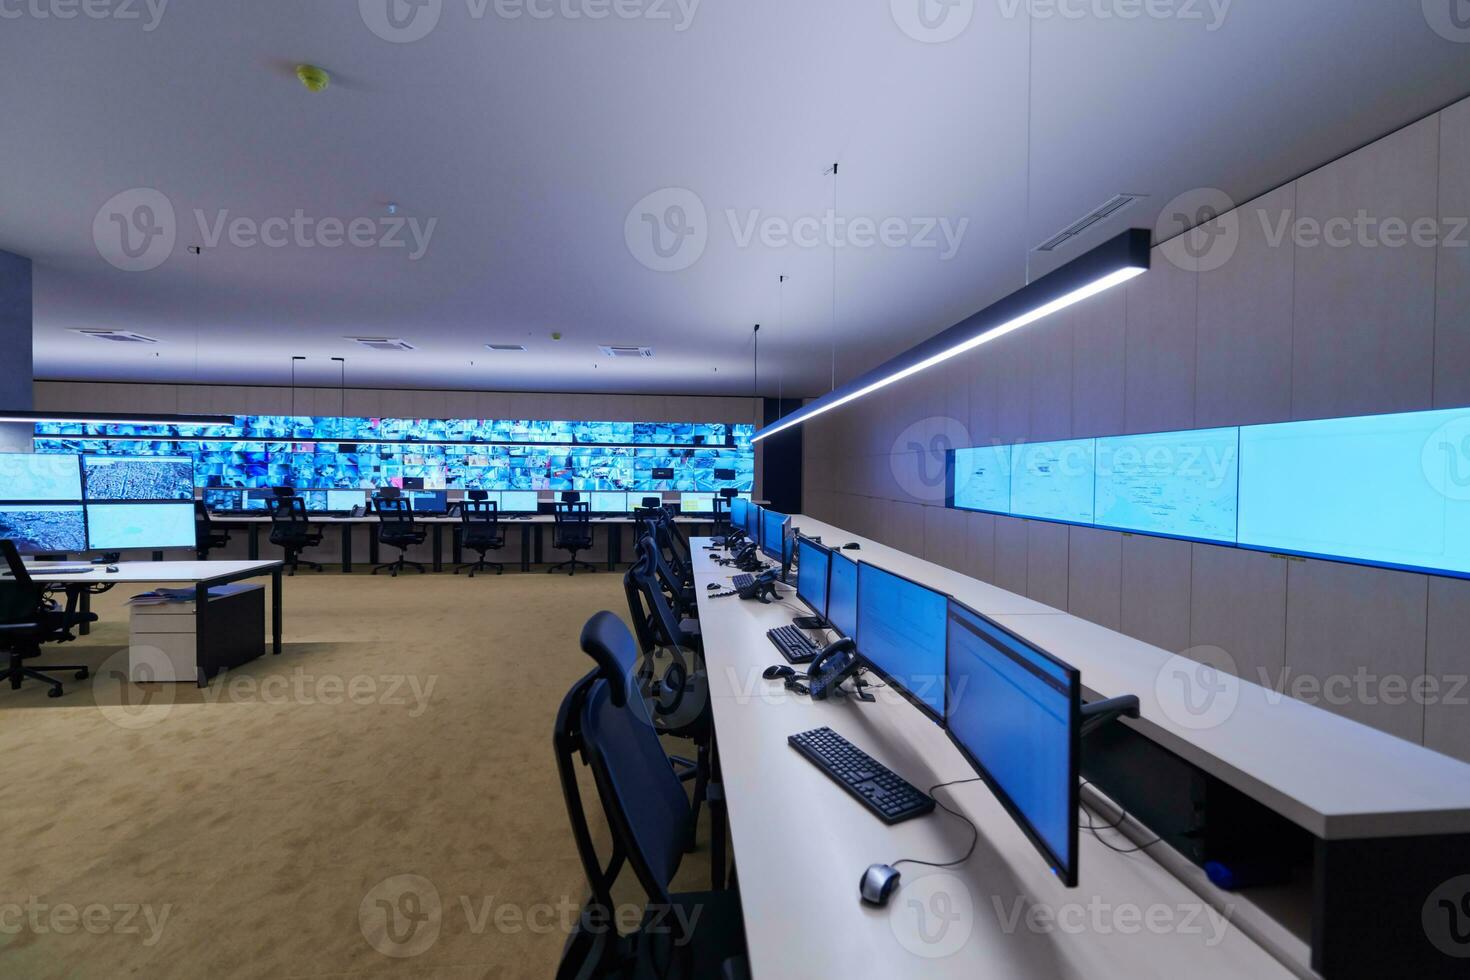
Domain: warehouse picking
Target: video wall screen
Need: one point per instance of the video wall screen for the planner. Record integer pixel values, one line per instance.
(1388, 490)
(32, 476)
(44, 528)
(432, 454)
(117, 527)
(138, 477)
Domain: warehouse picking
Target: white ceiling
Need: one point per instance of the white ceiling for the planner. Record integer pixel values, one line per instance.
(529, 140)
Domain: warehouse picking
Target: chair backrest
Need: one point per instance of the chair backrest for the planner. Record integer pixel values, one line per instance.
(662, 622)
(639, 609)
(670, 584)
(288, 513)
(20, 597)
(283, 492)
(394, 513)
(645, 803)
(479, 521)
(573, 520)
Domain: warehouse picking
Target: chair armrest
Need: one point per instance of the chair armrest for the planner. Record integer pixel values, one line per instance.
(7, 627)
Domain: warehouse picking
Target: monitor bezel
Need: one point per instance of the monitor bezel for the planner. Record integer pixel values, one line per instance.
(827, 579)
(1064, 870)
(909, 696)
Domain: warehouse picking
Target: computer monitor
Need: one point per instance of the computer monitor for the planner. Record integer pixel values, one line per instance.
(138, 477)
(901, 625)
(608, 502)
(343, 501)
(518, 501)
(696, 503)
(44, 528)
(224, 501)
(40, 476)
(753, 523)
(114, 527)
(427, 501)
(259, 499)
(1015, 713)
(773, 534)
(842, 590)
(813, 566)
(739, 508)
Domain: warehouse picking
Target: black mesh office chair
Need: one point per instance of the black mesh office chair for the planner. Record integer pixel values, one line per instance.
(679, 590)
(207, 537)
(722, 511)
(572, 532)
(292, 530)
(30, 618)
(479, 530)
(603, 721)
(397, 529)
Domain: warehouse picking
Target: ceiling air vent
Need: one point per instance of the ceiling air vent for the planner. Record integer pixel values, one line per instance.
(507, 348)
(118, 336)
(383, 343)
(614, 351)
(1111, 207)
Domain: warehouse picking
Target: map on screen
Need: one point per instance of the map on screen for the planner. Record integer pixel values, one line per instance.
(1181, 484)
(982, 478)
(39, 476)
(1053, 480)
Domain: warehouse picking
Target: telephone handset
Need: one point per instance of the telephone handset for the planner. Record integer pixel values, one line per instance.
(762, 588)
(835, 664)
(744, 552)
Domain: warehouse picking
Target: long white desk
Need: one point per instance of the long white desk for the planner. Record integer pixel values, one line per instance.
(801, 844)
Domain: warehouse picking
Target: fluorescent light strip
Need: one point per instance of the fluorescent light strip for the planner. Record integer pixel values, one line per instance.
(1076, 296)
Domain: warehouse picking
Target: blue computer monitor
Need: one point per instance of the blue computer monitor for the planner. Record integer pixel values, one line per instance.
(138, 477)
(342, 501)
(753, 522)
(427, 501)
(696, 503)
(739, 508)
(518, 501)
(842, 590)
(610, 502)
(900, 629)
(114, 527)
(259, 499)
(40, 476)
(813, 566)
(224, 501)
(773, 534)
(1015, 713)
(44, 528)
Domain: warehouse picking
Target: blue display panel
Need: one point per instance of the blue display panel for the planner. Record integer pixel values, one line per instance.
(603, 502)
(842, 595)
(1054, 480)
(44, 528)
(518, 502)
(115, 527)
(980, 479)
(138, 477)
(1014, 712)
(34, 476)
(224, 501)
(427, 501)
(1386, 489)
(739, 512)
(813, 563)
(901, 634)
(773, 534)
(1180, 484)
(349, 453)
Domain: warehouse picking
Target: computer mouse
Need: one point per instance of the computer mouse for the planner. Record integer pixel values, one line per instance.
(778, 672)
(878, 883)
(112, 568)
(712, 586)
(852, 546)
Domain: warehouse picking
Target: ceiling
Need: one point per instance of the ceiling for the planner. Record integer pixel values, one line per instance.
(528, 141)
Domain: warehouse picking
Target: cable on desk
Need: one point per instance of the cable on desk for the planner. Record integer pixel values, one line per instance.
(974, 830)
(1122, 816)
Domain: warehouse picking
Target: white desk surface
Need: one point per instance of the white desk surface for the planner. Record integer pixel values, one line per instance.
(151, 571)
(1333, 776)
(801, 844)
(442, 519)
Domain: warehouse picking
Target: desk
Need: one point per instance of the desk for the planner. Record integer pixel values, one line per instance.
(203, 575)
(801, 844)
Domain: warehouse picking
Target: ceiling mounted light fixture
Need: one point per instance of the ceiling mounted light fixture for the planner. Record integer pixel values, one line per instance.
(1108, 265)
(115, 418)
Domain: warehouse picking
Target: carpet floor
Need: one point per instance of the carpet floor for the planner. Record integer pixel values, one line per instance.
(396, 756)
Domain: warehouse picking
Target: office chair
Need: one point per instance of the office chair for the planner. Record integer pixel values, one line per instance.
(28, 618)
(207, 537)
(397, 529)
(679, 591)
(291, 530)
(646, 811)
(479, 530)
(722, 511)
(572, 532)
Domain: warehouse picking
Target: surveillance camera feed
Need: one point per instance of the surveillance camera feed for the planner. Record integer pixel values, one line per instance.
(44, 528)
(139, 478)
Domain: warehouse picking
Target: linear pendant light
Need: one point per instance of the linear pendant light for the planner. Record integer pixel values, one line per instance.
(115, 418)
(1115, 261)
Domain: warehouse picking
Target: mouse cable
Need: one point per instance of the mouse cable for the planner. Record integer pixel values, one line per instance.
(974, 830)
(1122, 816)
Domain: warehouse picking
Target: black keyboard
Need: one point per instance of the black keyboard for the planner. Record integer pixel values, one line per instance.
(742, 581)
(890, 798)
(794, 645)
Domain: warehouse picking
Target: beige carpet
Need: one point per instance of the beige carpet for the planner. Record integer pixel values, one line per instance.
(247, 829)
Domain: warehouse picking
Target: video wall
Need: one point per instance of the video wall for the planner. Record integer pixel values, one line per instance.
(54, 503)
(1387, 490)
(261, 451)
